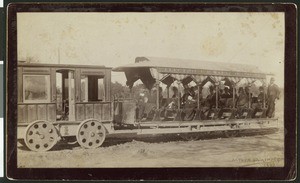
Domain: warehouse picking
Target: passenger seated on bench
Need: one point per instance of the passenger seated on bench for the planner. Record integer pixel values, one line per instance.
(172, 106)
(257, 105)
(146, 104)
(174, 102)
(222, 99)
(184, 96)
(210, 101)
(261, 96)
(175, 92)
(161, 98)
(228, 96)
(192, 98)
(211, 98)
(257, 100)
(242, 101)
(141, 104)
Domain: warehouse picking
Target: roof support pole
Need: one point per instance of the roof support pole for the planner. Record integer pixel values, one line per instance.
(217, 95)
(198, 96)
(157, 93)
(264, 101)
(168, 91)
(249, 97)
(179, 97)
(233, 95)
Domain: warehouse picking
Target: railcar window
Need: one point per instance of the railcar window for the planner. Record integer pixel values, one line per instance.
(36, 88)
(92, 88)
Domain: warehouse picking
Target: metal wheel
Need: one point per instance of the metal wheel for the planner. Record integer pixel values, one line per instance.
(91, 134)
(41, 136)
(190, 136)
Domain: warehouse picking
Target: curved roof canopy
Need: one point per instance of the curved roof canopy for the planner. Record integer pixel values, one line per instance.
(148, 69)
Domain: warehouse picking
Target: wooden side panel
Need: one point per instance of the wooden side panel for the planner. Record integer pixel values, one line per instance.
(36, 70)
(80, 112)
(42, 112)
(98, 111)
(128, 115)
(32, 113)
(89, 111)
(22, 114)
(20, 84)
(51, 115)
(106, 112)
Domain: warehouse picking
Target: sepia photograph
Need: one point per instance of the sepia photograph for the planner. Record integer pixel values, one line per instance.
(150, 89)
(84, 77)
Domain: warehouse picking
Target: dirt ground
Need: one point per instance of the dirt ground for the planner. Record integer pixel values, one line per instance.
(263, 150)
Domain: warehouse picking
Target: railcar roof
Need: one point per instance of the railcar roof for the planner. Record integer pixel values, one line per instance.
(61, 65)
(156, 62)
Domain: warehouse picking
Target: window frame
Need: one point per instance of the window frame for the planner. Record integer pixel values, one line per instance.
(86, 76)
(48, 88)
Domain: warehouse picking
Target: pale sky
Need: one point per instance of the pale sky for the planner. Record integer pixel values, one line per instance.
(114, 39)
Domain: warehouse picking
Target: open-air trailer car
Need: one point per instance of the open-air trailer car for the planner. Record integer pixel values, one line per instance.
(56, 101)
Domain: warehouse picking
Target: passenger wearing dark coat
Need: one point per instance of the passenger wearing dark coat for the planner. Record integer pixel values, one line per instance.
(272, 94)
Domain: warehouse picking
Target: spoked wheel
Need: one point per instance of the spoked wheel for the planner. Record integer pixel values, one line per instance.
(91, 134)
(190, 136)
(41, 136)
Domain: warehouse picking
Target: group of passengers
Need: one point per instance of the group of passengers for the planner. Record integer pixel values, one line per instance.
(243, 99)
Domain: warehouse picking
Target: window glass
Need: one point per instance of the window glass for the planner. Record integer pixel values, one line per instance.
(92, 88)
(36, 88)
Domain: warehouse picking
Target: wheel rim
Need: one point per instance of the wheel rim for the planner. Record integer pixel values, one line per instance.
(41, 136)
(91, 134)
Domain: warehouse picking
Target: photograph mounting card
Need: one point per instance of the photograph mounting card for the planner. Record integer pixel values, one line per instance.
(103, 88)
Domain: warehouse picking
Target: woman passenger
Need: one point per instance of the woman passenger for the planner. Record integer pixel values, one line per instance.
(242, 101)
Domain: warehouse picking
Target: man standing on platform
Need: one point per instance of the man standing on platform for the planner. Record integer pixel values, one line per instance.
(272, 94)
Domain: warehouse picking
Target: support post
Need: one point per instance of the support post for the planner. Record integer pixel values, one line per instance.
(179, 96)
(233, 95)
(264, 102)
(217, 94)
(157, 94)
(198, 97)
(249, 99)
(168, 91)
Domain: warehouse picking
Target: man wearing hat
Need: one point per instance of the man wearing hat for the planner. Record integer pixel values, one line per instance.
(272, 94)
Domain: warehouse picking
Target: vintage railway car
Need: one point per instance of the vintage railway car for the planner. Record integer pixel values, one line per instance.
(57, 101)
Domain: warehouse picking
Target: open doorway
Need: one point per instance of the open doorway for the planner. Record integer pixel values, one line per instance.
(65, 91)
